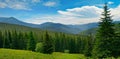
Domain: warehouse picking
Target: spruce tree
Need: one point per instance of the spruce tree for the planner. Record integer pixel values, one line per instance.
(6, 41)
(88, 45)
(31, 42)
(1, 40)
(48, 47)
(104, 36)
(116, 43)
(22, 43)
(10, 38)
(15, 40)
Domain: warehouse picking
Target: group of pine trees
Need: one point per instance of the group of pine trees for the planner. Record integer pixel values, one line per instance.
(57, 42)
(16, 40)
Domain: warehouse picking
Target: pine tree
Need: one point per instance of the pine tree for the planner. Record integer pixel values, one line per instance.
(1, 40)
(6, 41)
(15, 41)
(48, 47)
(10, 38)
(31, 42)
(116, 43)
(88, 46)
(116, 47)
(72, 46)
(22, 43)
(104, 36)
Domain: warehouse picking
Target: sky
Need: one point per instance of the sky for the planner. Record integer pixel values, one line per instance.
(58, 11)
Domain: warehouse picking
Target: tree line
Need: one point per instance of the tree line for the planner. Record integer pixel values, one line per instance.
(57, 42)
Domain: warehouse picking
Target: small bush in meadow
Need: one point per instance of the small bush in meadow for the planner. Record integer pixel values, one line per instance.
(39, 47)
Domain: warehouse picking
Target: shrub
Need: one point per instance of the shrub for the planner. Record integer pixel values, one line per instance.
(66, 51)
(39, 47)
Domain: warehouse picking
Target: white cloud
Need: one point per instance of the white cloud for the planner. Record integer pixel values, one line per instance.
(36, 1)
(110, 2)
(82, 12)
(50, 4)
(116, 13)
(79, 15)
(26, 4)
(16, 4)
(2, 5)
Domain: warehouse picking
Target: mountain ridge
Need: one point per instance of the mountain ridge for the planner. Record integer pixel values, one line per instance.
(57, 27)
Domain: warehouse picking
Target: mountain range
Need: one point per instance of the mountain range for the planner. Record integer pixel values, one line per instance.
(57, 27)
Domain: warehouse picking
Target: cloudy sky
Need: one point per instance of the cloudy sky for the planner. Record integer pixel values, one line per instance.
(58, 11)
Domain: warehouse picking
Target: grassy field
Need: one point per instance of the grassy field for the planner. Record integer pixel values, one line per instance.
(22, 54)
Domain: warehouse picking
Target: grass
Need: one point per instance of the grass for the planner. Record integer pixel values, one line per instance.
(22, 54)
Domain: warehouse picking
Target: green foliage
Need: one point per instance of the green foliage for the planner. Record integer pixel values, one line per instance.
(1, 40)
(66, 51)
(115, 47)
(6, 40)
(48, 47)
(88, 46)
(39, 47)
(31, 42)
(104, 36)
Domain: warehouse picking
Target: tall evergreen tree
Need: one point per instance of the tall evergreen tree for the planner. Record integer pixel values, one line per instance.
(31, 42)
(48, 47)
(104, 36)
(15, 40)
(1, 40)
(6, 41)
(88, 46)
(10, 38)
(22, 43)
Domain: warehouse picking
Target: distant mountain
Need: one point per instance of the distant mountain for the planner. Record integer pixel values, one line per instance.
(58, 27)
(73, 29)
(13, 20)
(13, 27)
(85, 26)
(93, 30)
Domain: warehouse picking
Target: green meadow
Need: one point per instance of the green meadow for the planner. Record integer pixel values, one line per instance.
(22, 54)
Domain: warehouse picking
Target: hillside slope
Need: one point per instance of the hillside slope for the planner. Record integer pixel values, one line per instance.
(93, 30)
(57, 27)
(6, 26)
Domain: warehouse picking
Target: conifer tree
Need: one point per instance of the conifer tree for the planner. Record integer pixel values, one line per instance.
(88, 45)
(48, 47)
(6, 41)
(10, 38)
(22, 43)
(104, 36)
(116, 44)
(15, 40)
(1, 40)
(31, 42)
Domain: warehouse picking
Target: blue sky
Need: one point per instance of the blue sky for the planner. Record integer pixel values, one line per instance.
(58, 11)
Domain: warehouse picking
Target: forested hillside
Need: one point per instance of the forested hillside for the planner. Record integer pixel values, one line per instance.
(11, 27)
(21, 37)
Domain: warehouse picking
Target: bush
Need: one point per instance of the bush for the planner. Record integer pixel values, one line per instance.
(66, 51)
(39, 47)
